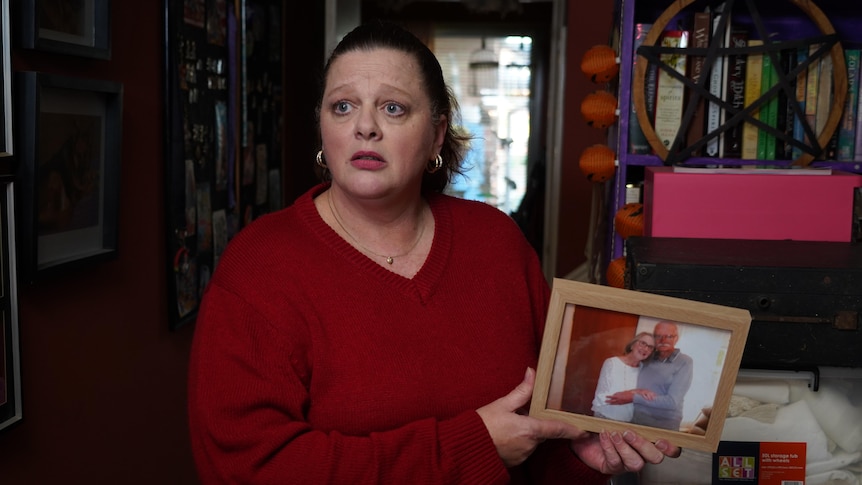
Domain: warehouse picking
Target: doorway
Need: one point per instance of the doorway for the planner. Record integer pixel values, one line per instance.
(490, 77)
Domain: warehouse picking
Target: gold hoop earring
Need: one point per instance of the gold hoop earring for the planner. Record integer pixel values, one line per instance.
(320, 160)
(438, 164)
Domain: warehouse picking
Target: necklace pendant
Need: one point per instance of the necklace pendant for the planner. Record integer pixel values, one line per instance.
(390, 260)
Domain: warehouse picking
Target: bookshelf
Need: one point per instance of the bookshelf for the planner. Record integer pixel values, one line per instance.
(788, 23)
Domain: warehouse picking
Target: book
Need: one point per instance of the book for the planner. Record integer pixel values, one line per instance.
(670, 92)
(824, 101)
(713, 110)
(638, 143)
(700, 34)
(847, 128)
(801, 95)
(753, 75)
(784, 123)
(812, 82)
(765, 140)
(734, 94)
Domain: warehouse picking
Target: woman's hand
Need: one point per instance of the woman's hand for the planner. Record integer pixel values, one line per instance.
(516, 436)
(612, 452)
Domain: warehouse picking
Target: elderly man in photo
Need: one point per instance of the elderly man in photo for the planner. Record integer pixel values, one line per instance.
(667, 376)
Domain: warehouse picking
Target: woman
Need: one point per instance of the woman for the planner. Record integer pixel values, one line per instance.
(366, 333)
(620, 373)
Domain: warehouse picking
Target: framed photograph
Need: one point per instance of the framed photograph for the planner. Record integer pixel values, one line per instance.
(616, 359)
(10, 362)
(69, 170)
(5, 83)
(74, 27)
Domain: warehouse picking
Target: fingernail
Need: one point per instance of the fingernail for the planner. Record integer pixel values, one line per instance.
(628, 435)
(616, 437)
(661, 445)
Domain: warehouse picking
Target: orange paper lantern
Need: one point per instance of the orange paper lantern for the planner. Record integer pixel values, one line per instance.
(600, 63)
(598, 163)
(616, 273)
(599, 109)
(629, 220)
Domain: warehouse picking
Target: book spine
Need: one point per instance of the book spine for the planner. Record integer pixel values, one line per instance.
(824, 100)
(771, 112)
(670, 91)
(735, 93)
(713, 112)
(701, 28)
(812, 85)
(801, 95)
(638, 143)
(753, 77)
(784, 122)
(763, 145)
(847, 128)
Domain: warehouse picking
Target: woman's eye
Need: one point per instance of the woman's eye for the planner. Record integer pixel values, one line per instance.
(342, 107)
(394, 109)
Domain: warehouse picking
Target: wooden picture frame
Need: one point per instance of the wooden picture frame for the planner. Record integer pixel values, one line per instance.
(10, 355)
(588, 323)
(80, 28)
(5, 83)
(72, 220)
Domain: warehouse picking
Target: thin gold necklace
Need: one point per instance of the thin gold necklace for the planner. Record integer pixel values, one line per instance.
(389, 259)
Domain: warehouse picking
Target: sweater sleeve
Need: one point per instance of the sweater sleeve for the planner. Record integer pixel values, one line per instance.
(248, 404)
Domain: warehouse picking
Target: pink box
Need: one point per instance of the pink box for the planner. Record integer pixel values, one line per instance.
(799, 204)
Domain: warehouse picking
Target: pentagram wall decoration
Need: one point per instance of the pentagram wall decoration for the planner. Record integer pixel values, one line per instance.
(827, 44)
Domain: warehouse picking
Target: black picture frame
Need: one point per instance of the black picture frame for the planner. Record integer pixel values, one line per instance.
(75, 28)
(10, 359)
(68, 210)
(6, 141)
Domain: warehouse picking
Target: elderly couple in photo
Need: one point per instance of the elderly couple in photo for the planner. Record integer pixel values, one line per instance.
(647, 384)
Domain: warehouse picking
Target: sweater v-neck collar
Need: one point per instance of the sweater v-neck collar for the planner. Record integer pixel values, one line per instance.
(424, 282)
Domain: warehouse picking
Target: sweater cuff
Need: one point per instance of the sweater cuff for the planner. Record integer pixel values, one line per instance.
(465, 442)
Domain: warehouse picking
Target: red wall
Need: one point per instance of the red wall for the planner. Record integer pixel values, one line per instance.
(589, 24)
(103, 377)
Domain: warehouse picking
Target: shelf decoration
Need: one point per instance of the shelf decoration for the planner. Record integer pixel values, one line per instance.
(600, 64)
(616, 272)
(598, 163)
(599, 109)
(651, 53)
(629, 220)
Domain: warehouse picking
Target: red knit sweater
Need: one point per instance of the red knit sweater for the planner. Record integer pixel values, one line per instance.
(313, 364)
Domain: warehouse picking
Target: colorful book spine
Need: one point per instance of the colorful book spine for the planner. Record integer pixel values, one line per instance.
(812, 85)
(824, 100)
(700, 33)
(801, 95)
(753, 76)
(766, 141)
(847, 128)
(714, 111)
(637, 140)
(735, 94)
(783, 148)
(670, 92)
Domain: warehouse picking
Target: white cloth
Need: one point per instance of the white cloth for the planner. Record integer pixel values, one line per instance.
(615, 376)
(794, 422)
(763, 390)
(839, 418)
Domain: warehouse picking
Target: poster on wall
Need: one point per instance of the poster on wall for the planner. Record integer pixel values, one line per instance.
(223, 87)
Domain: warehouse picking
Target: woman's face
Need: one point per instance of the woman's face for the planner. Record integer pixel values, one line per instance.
(644, 347)
(376, 125)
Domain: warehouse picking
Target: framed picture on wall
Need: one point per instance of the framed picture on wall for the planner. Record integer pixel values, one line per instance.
(79, 27)
(615, 359)
(10, 361)
(69, 171)
(5, 83)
